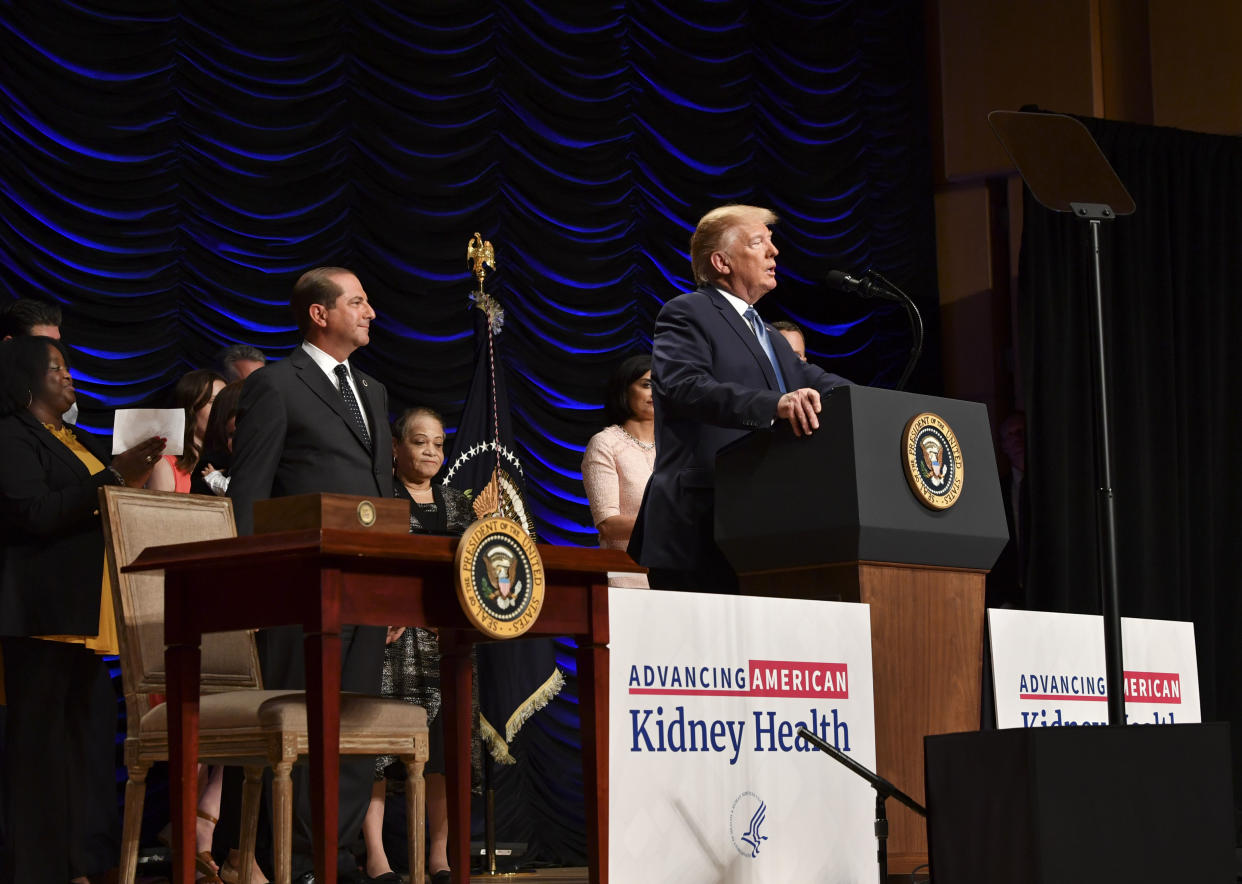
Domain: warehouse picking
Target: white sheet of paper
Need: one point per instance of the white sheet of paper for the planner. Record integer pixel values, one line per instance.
(134, 425)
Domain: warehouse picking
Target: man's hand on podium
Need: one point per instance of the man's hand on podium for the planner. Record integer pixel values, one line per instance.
(800, 408)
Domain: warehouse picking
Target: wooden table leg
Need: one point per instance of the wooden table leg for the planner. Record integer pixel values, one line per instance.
(592, 656)
(593, 711)
(455, 694)
(323, 720)
(181, 665)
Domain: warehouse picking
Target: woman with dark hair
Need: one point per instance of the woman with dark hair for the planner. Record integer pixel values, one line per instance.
(56, 618)
(412, 658)
(619, 459)
(211, 474)
(195, 393)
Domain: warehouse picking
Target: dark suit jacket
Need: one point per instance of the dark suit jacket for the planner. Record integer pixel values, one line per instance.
(295, 437)
(712, 384)
(49, 508)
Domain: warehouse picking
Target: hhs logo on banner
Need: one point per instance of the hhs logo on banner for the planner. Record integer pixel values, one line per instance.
(746, 818)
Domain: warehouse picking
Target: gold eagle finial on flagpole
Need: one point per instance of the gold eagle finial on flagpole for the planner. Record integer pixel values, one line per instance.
(480, 253)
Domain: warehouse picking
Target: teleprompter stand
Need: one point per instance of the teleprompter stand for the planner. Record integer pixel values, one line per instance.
(1066, 172)
(883, 789)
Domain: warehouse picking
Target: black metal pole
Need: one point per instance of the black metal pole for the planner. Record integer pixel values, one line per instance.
(1106, 517)
(881, 836)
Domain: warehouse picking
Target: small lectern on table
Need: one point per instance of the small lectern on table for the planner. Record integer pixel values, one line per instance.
(832, 516)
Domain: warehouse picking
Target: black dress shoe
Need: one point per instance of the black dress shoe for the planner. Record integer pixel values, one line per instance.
(305, 878)
(444, 876)
(386, 878)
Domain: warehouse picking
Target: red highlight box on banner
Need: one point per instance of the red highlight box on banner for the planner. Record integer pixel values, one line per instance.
(790, 678)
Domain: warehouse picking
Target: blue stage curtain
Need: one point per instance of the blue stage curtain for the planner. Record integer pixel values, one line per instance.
(167, 169)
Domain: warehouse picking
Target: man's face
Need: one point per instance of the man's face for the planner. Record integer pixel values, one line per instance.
(346, 325)
(796, 343)
(1013, 441)
(747, 264)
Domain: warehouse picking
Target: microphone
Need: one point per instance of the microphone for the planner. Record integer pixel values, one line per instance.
(874, 285)
(865, 287)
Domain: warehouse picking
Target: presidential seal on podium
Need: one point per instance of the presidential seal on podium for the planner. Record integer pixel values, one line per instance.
(933, 461)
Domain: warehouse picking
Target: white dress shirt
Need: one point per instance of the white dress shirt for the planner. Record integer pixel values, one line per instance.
(328, 365)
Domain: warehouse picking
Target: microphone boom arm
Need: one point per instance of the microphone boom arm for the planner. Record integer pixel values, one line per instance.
(916, 325)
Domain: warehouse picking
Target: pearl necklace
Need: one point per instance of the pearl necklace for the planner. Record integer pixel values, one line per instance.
(645, 446)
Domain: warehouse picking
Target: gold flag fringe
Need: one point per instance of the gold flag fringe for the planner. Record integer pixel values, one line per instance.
(497, 745)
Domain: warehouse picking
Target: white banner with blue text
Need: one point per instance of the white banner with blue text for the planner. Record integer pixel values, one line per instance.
(1049, 669)
(708, 781)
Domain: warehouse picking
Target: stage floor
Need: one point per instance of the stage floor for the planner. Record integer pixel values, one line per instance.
(543, 876)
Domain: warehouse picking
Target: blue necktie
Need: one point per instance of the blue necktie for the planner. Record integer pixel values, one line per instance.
(351, 403)
(761, 332)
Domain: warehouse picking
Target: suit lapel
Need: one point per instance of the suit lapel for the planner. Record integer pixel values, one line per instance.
(58, 448)
(318, 382)
(743, 331)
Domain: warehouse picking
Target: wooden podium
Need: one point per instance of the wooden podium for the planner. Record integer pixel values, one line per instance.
(831, 516)
(325, 578)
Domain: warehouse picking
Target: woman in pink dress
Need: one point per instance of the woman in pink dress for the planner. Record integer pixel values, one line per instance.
(619, 459)
(195, 392)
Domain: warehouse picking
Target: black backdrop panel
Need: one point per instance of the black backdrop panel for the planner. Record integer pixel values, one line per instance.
(1140, 804)
(1173, 320)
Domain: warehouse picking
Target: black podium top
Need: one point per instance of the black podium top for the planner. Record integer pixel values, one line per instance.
(841, 494)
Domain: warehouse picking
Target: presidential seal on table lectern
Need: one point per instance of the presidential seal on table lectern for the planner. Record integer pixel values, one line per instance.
(500, 581)
(932, 459)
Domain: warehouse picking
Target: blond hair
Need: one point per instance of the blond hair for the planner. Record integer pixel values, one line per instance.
(712, 232)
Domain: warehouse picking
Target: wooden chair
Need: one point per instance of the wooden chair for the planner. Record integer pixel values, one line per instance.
(239, 723)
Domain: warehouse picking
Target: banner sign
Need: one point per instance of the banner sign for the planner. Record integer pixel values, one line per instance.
(1049, 670)
(707, 778)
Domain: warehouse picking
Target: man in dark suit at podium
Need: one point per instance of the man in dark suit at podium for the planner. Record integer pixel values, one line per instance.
(718, 372)
(311, 423)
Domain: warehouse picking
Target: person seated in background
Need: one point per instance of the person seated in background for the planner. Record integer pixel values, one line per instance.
(28, 316)
(195, 393)
(239, 361)
(793, 334)
(619, 458)
(56, 619)
(212, 473)
(412, 657)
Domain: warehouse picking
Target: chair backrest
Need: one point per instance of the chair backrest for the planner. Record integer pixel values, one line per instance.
(133, 519)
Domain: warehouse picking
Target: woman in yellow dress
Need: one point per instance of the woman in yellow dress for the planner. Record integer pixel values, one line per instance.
(56, 615)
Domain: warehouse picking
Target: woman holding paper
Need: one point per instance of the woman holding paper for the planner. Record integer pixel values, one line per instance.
(56, 618)
(195, 393)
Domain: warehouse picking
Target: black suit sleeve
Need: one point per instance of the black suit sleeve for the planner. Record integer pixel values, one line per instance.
(257, 446)
(30, 503)
(682, 361)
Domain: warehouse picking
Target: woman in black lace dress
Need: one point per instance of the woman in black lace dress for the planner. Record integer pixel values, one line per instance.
(412, 660)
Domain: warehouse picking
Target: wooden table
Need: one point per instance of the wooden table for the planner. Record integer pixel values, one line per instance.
(321, 579)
